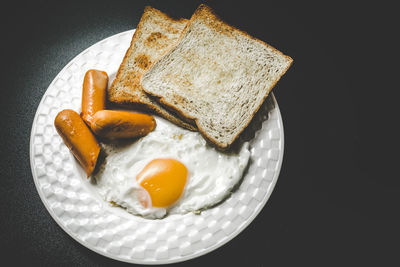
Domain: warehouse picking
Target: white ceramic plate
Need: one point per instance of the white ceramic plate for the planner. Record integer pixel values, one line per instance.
(112, 232)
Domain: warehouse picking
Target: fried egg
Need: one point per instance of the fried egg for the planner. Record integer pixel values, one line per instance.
(169, 171)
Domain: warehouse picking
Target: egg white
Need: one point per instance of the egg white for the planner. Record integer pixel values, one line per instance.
(211, 174)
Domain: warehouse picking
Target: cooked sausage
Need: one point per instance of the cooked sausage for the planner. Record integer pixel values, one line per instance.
(122, 124)
(93, 94)
(78, 138)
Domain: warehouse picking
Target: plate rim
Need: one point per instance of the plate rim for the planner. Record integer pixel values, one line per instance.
(164, 261)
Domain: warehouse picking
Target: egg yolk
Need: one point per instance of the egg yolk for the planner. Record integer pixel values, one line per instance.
(164, 180)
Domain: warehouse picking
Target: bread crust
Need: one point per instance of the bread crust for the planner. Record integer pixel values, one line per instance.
(208, 15)
(125, 99)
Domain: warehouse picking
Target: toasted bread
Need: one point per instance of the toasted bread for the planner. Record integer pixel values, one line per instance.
(154, 36)
(217, 76)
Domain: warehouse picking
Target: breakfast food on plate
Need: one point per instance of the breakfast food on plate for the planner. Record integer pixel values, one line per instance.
(122, 124)
(164, 180)
(154, 36)
(169, 171)
(205, 71)
(78, 138)
(93, 94)
(105, 123)
(216, 76)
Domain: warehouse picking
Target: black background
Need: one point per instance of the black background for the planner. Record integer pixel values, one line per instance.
(337, 198)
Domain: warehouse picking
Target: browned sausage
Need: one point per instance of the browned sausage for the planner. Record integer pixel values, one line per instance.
(122, 124)
(78, 138)
(93, 94)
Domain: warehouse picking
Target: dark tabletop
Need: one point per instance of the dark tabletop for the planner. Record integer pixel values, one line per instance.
(338, 194)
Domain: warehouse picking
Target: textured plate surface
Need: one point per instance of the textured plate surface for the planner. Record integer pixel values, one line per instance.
(114, 233)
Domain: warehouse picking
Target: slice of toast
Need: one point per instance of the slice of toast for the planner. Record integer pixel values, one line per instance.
(154, 36)
(217, 76)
